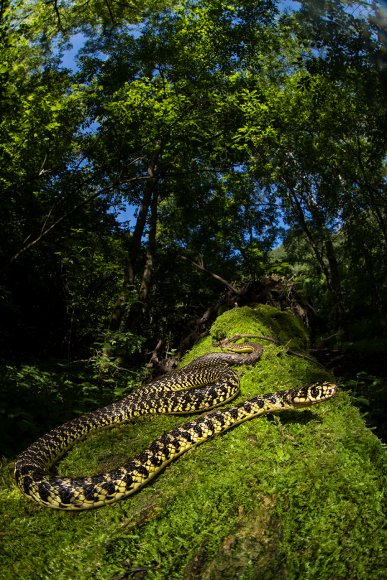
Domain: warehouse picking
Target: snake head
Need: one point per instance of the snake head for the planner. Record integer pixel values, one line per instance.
(316, 393)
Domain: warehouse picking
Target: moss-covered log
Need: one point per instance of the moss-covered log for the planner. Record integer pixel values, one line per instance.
(297, 495)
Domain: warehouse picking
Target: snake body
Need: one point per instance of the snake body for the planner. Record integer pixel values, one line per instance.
(203, 384)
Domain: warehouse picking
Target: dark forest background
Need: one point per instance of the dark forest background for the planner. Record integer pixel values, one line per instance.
(200, 155)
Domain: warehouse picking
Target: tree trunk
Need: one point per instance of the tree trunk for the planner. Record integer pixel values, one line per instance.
(151, 249)
(120, 314)
(330, 271)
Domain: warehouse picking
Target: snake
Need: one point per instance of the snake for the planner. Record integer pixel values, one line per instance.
(202, 385)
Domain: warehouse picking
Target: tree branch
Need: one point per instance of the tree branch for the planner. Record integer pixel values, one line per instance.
(215, 276)
(44, 231)
(56, 10)
(63, 217)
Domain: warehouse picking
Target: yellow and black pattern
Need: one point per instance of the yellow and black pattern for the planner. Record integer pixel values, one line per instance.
(213, 383)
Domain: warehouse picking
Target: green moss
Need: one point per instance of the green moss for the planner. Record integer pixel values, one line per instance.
(297, 495)
(265, 320)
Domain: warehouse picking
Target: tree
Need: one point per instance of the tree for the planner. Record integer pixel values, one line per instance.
(318, 141)
(167, 109)
(48, 204)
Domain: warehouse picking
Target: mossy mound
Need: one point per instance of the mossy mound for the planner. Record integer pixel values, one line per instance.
(296, 495)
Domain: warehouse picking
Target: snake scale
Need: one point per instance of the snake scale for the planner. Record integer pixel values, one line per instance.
(202, 385)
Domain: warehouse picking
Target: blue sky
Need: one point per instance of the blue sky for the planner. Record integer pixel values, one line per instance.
(69, 56)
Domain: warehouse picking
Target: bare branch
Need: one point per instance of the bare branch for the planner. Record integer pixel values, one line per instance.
(44, 231)
(56, 10)
(201, 267)
(110, 11)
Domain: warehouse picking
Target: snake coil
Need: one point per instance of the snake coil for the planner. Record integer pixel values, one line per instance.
(203, 384)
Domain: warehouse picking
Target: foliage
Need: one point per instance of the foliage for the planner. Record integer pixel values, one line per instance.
(34, 398)
(218, 123)
(368, 393)
(328, 168)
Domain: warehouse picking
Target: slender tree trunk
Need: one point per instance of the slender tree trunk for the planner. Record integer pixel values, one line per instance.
(330, 271)
(151, 249)
(135, 243)
(334, 272)
(138, 309)
(121, 318)
(377, 202)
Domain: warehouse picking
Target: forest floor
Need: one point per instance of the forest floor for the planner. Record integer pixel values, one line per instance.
(298, 494)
